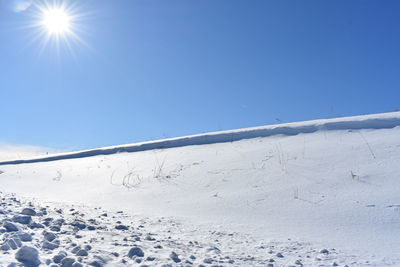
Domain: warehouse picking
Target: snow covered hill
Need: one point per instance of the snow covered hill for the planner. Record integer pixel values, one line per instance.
(326, 184)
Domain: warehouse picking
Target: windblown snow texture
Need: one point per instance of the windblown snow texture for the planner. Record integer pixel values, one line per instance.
(320, 193)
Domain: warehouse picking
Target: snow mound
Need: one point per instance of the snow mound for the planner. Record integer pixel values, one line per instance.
(331, 184)
(82, 236)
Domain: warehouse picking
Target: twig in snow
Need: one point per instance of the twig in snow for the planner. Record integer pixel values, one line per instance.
(58, 177)
(369, 147)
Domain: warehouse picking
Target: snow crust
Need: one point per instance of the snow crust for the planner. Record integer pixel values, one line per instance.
(333, 183)
(376, 121)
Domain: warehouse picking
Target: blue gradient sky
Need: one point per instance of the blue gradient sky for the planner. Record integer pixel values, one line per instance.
(155, 68)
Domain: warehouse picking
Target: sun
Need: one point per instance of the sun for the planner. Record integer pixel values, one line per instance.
(56, 20)
(57, 25)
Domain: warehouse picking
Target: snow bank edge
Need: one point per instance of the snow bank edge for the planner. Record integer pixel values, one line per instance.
(376, 121)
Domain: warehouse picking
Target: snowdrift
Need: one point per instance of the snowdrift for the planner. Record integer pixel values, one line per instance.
(332, 182)
(381, 121)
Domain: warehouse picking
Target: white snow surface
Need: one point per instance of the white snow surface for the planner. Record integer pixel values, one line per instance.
(328, 183)
(18, 152)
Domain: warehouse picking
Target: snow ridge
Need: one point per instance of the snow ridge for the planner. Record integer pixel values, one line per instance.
(375, 121)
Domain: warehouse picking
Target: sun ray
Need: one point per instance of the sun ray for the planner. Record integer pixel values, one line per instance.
(56, 25)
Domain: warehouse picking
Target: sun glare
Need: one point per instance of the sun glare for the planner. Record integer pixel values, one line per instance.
(57, 25)
(56, 21)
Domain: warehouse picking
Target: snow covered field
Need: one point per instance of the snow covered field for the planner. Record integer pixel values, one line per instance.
(319, 193)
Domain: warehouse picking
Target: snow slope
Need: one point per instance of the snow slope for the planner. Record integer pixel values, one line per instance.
(333, 183)
(10, 151)
(380, 121)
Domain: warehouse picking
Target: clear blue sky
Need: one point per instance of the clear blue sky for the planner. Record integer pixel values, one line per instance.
(165, 68)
